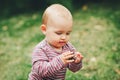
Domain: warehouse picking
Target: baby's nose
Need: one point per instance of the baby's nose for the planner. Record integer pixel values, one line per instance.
(63, 36)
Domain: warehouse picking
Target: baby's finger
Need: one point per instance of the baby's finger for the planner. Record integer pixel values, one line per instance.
(69, 61)
(79, 55)
(66, 53)
(70, 56)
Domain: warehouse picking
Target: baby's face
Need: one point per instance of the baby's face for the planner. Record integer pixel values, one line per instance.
(58, 32)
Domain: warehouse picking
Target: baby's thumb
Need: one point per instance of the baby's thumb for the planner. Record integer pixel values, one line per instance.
(80, 55)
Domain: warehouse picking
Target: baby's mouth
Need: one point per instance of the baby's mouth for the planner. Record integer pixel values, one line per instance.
(62, 42)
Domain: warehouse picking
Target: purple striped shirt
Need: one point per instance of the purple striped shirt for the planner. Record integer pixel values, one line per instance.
(47, 65)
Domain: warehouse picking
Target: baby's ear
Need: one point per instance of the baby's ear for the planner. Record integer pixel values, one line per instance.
(43, 28)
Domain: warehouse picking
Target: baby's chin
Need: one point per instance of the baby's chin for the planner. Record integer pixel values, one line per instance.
(58, 47)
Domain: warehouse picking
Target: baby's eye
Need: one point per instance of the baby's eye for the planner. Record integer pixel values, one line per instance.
(58, 33)
(68, 33)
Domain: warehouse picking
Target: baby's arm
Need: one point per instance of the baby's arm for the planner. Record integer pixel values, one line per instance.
(44, 68)
(77, 64)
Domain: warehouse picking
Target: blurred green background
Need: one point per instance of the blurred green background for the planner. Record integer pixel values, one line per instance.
(96, 34)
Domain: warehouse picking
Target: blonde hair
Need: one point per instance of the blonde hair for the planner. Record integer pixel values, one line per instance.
(59, 10)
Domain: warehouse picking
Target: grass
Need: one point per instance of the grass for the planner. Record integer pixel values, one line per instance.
(95, 34)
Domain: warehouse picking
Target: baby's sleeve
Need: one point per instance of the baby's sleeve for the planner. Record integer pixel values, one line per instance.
(41, 67)
(71, 47)
(73, 66)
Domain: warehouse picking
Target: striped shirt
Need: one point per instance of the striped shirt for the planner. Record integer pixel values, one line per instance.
(47, 65)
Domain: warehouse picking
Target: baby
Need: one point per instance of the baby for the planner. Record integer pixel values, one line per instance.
(54, 54)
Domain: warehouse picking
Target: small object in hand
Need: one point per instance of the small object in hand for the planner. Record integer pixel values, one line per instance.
(72, 58)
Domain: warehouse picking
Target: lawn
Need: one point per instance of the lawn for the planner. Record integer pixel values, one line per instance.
(96, 34)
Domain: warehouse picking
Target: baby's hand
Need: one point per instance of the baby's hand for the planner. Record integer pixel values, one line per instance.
(78, 57)
(67, 57)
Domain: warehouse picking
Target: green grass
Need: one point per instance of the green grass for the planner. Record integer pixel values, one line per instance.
(95, 34)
